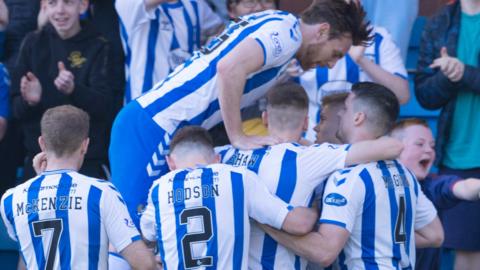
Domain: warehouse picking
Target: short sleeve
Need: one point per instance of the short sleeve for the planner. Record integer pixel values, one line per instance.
(261, 202)
(119, 226)
(425, 211)
(147, 221)
(342, 200)
(320, 160)
(6, 212)
(4, 92)
(390, 57)
(279, 40)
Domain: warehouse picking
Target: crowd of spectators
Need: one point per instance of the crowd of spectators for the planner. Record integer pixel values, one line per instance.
(99, 55)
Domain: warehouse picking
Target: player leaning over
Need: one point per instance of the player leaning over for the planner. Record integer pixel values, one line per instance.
(62, 219)
(237, 68)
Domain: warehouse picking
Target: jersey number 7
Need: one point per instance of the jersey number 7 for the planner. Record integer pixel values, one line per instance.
(55, 225)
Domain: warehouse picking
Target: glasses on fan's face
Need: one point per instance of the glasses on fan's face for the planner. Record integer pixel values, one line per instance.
(253, 3)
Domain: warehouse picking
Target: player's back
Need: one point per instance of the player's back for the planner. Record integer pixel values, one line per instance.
(381, 205)
(291, 172)
(195, 82)
(202, 216)
(60, 220)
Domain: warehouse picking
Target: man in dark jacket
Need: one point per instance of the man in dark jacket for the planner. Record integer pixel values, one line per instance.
(449, 78)
(64, 63)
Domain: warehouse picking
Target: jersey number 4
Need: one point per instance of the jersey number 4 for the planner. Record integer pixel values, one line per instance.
(39, 229)
(400, 235)
(202, 235)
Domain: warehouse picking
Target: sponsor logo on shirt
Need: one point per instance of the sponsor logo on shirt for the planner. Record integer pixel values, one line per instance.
(335, 199)
(276, 44)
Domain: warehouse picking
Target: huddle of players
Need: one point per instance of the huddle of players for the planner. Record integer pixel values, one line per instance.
(198, 213)
(372, 215)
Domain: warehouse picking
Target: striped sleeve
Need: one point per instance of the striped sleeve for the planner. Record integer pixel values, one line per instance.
(121, 230)
(133, 13)
(343, 200)
(147, 221)
(6, 208)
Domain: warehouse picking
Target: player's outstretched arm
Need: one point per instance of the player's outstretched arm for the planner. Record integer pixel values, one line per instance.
(430, 235)
(139, 256)
(232, 72)
(383, 148)
(320, 247)
(468, 189)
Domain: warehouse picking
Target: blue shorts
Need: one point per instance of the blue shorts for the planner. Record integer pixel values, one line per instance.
(461, 223)
(137, 156)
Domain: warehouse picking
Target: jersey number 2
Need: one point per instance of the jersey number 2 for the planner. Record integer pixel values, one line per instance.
(54, 225)
(202, 235)
(400, 235)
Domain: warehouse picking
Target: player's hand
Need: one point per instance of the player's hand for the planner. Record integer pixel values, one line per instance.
(357, 53)
(294, 69)
(31, 89)
(158, 260)
(451, 67)
(245, 142)
(40, 162)
(65, 80)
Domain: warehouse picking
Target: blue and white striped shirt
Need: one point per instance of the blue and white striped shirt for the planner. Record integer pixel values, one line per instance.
(381, 205)
(158, 40)
(291, 172)
(318, 82)
(64, 220)
(200, 217)
(189, 95)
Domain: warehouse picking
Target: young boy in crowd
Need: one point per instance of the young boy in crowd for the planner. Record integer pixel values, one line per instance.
(65, 62)
(444, 191)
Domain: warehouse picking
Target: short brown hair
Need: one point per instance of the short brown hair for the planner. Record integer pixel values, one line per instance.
(64, 128)
(337, 98)
(288, 94)
(401, 125)
(344, 17)
(194, 135)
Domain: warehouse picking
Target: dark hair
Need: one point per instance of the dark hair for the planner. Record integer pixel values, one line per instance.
(191, 134)
(229, 3)
(344, 17)
(288, 94)
(64, 128)
(336, 98)
(379, 102)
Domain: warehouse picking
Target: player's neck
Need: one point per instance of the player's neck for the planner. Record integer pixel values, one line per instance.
(285, 136)
(65, 163)
(470, 7)
(361, 135)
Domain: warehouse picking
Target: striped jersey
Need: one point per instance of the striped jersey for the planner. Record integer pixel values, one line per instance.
(65, 220)
(189, 95)
(200, 217)
(319, 81)
(155, 41)
(381, 205)
(291, 172)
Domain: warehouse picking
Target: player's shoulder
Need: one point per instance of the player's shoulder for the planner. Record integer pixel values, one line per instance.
(87, 181)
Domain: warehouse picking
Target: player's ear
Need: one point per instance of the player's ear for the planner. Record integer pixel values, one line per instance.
(170, 163)
(84, 146)
(323, 32)
(41, 143)
(359, 118)
(305, 123)
(265, 118)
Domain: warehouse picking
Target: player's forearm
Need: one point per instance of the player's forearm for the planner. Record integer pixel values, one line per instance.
(468, 189)
(231, 84)
(399, 86)
(304, 246)
(383, 148)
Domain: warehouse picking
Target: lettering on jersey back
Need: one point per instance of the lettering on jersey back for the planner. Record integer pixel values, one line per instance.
(48, 204)
(243, 160)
